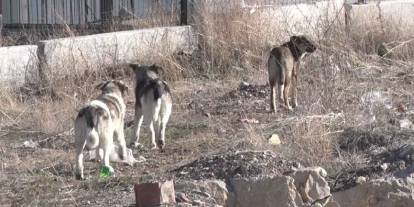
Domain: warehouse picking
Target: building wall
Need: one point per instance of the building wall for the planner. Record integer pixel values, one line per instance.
(79, 12)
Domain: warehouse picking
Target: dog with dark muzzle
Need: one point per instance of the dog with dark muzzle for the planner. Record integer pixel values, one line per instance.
(153, 104)
(99, 122)
(283, 69)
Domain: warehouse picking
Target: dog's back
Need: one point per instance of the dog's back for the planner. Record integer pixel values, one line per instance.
(280, 64)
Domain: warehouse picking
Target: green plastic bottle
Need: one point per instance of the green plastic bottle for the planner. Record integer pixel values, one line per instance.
(104, 172)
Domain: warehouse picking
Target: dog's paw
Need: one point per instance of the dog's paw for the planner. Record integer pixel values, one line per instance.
(154, 147)
(79, 177)
(160, 144)
(136, 145)
(111, 169)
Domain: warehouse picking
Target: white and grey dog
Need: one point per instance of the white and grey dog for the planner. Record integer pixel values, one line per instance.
(153, 104)
(98, 122)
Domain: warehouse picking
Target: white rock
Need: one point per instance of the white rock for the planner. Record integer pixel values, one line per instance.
(274, 140)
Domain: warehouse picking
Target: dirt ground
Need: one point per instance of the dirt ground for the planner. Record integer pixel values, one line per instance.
(219, 129)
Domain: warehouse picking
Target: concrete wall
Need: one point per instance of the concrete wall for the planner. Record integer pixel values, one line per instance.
(73, 55)
(399, 12)
(17, 64)
(304, 18)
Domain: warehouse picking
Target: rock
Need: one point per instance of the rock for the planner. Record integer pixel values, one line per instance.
(360, 180)
(384, 167)
(198, 203)
(264, 192)
(243, 85)
(382, 50)
(274, 140)
(311, 184)
(183, 205)
(213, 188)
(181, 198)
(406, 124)
(405, 152)
(153, 194)
(377, 193)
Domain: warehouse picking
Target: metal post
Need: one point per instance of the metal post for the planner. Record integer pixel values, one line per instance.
(106, 11)
(184, 12)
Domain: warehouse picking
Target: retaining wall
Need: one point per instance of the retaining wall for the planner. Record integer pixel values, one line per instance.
(17, 64)
(399, 12)
(73, 55)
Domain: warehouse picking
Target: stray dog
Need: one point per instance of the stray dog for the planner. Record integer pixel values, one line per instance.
(283, 69)
(153, 104)
(98, 122)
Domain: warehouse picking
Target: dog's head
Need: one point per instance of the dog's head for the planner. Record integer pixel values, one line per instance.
(113, 86)
(152, 71)
(303, 43)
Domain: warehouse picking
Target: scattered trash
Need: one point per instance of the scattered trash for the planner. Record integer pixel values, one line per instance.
(250, 121)
(30, 144)
(360, 180)
(105, 172)
(274, 140)
(406, 124)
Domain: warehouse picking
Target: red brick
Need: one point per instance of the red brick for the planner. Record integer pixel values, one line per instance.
(153, 194)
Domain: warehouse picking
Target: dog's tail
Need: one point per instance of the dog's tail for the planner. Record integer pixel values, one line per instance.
(159, 88)
(91, 114)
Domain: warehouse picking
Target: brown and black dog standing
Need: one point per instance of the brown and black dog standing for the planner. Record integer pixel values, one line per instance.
(283, 68)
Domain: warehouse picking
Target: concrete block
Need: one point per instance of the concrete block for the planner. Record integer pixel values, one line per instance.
(301, 18)
(18, 64)
(93, 52)
(154, 194)
(398, 12)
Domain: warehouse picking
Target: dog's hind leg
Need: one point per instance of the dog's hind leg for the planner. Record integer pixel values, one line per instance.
(165, 116)
(286, 94)
(153, 134)
(107, 145)
(79, 160)
(272, 97)
(120, 136)
(137, 126)
(295, 85)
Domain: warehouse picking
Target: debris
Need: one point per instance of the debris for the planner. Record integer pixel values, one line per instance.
(105, 172)
(360, 180)
(181, 198)
(30, 144)
(274, 140)
(250, 121)
(406, 124)
(384, 166)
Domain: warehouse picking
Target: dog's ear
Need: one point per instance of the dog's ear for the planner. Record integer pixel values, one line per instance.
(294, 38)
(122, 86)
(102, 85)
(134, 66)
(157, 69)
